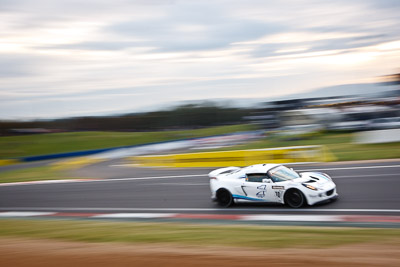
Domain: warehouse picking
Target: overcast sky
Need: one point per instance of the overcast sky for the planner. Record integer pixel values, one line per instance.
(68, 58)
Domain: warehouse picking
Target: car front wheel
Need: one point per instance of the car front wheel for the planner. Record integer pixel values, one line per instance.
(294, 198)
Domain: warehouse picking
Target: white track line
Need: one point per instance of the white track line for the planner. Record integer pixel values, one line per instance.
(152, 177)
(352, 168)
(135, 215)
(192, 176)
(311, 210)
(177, 184)
(205, 175)
(365, 175)
(231, 217)
(24, 213)
(293, 218)
(47, 182)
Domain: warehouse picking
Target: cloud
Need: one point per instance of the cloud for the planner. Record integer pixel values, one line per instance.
(19, 65)
(98, 45)
(147, 52)
(192, 27)
(14, 67)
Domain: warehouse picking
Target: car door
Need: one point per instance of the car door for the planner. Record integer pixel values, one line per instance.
(256, 189)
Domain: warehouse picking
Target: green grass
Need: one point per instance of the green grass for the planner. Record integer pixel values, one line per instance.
(34, 174)
(190, 234)
(42, 144)
(340, 144)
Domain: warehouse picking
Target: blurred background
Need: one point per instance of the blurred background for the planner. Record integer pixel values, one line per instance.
(351, 125)
(91, 89)
(295, 72)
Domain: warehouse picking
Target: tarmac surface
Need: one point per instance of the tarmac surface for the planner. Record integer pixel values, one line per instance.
(364, 187)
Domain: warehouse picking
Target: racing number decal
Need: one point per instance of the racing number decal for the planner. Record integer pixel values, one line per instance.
(263, 189)
(261, 194)
(280, 189)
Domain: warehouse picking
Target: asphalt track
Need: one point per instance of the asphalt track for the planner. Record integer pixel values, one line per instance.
(367, 188)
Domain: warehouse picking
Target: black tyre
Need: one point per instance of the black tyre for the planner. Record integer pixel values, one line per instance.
(224, 198)
(294, 198)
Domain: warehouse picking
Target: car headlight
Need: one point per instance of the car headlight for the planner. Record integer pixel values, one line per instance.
(310, 187)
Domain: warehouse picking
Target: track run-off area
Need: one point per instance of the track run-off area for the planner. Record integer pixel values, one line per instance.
(368, 189)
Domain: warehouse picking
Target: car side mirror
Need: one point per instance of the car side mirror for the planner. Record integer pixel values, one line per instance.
(267, 181)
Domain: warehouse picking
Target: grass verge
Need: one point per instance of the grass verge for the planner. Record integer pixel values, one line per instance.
(43, 144)
(34, 174)
(339, 143)
(210, 235)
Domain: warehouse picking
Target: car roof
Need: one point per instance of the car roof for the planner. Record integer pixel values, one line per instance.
(259, 168)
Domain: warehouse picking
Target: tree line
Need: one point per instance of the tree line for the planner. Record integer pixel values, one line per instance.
(181, 117)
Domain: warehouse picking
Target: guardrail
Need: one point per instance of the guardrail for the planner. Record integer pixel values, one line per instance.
(237, 157)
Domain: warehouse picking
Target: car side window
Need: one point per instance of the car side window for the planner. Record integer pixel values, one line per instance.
(256, 177)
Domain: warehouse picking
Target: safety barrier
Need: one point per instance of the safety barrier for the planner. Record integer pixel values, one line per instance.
(5, 162)
(238, 157)
(65, 155)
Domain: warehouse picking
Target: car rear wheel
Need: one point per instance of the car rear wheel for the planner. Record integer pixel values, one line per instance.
(294, 198)
(224, 198)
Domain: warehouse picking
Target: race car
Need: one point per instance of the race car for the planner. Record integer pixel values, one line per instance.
(272, 183)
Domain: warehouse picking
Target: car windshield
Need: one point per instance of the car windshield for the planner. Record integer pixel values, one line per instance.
(281, 173)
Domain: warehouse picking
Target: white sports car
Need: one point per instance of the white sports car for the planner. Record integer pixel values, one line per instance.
(271, 183)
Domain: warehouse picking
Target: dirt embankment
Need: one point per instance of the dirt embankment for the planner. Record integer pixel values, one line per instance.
(24, 252)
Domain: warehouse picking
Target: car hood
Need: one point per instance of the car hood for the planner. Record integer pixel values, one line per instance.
(314, 178)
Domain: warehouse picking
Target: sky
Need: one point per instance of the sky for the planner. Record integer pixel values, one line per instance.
(62, 58)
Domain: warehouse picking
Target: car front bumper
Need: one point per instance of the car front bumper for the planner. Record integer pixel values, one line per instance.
(322, 196)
